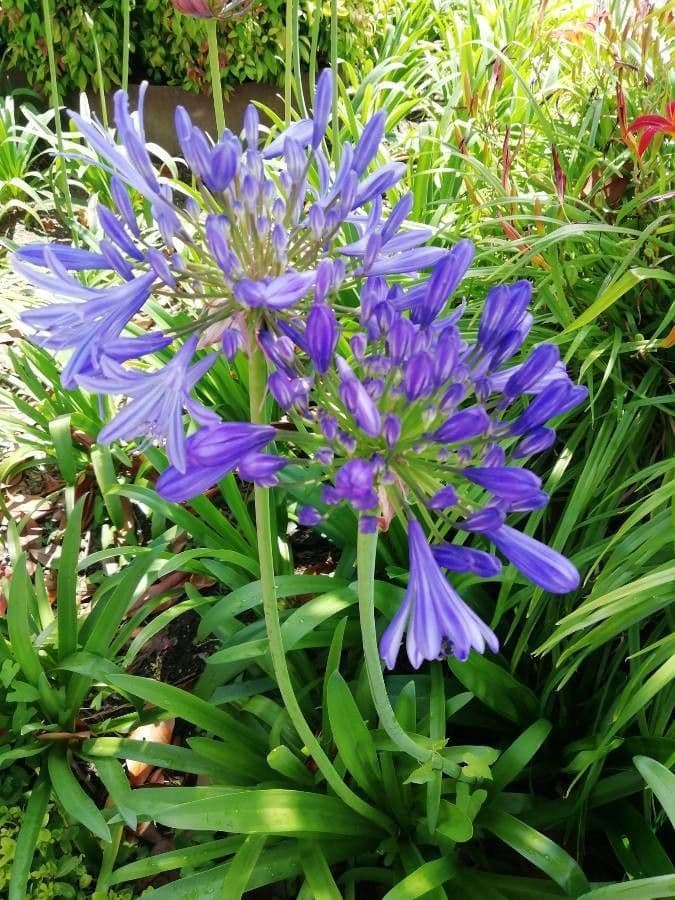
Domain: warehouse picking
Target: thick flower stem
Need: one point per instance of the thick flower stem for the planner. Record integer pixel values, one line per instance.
(214, 67)
(288, 64)
(126, 38)
(366, 553)
(62, 176)
(257, 390)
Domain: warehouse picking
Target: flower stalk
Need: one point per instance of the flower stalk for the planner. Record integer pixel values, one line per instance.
(214, 66)
(126, 38)
(62, 177)
(257, 392)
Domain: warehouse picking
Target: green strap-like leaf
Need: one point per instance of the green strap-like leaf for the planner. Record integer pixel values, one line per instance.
(72, 797)
(496, 688)
(352, 737)
(268, 811)
(240, 870)
(537, 849)
(662, 886)
(117, 784)
(28, 837)
(514, 759)
(661, 781)
(66, 583)
(429, 876)
(18, 623)
(318, 873)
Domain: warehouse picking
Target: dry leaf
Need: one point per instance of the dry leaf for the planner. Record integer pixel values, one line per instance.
(158, 733)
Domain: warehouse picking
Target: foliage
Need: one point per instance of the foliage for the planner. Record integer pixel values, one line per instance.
(251, 47)
(172, 48)
(76, 29)
(58, 869)
(19, 180)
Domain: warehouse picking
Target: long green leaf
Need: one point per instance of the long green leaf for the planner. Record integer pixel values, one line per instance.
(662, 886)
(18, 623)
(241, 868)
(661, 781)
(537, 849)
(66, 584)
(268, 811)
(352, 737)
(428, 876)
(72, 797)
(27, 839)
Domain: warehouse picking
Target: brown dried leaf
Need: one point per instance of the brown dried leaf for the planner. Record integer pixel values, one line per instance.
(158, 733)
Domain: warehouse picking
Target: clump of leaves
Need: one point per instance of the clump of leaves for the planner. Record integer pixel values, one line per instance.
(20, 181)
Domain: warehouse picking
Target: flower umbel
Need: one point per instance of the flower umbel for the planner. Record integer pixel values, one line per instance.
(420, 419)
(257, 245)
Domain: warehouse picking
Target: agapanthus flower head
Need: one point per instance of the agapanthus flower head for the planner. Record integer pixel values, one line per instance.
(420, 416)
(401, 415)
(256, 248)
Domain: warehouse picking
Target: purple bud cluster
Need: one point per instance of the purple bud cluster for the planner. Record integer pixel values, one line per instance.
(419, 416)
(256, 246)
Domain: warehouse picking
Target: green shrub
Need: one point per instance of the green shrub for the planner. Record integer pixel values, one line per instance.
(22, 32)
(174, 47)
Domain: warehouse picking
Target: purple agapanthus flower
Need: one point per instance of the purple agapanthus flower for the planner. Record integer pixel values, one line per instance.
(418, 415)
(212, 453)
(437, 620)
(157, 401)
(264, 252)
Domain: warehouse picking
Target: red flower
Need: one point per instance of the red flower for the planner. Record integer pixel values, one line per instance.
(210, 9)
(652, 125)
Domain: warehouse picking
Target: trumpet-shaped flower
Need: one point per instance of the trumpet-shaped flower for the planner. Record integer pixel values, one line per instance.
(437, 620)
(155, 409)
(213, 452)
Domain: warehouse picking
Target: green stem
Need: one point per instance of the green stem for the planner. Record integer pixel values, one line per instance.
(126, 38)
(62, 172)
(316, 22)
(214, 67)
(300, 96)
(99, 75)
(288, 63)
(334, 69)
(257, 391)
(366, 553)
(437, 734)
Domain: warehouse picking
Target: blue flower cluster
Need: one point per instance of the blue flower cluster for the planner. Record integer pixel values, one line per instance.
(419, 418)
(254, 246)
(411, 419)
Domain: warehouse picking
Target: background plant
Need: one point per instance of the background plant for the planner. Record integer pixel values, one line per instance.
(170, 48)
(23, 36)
(21, 189)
